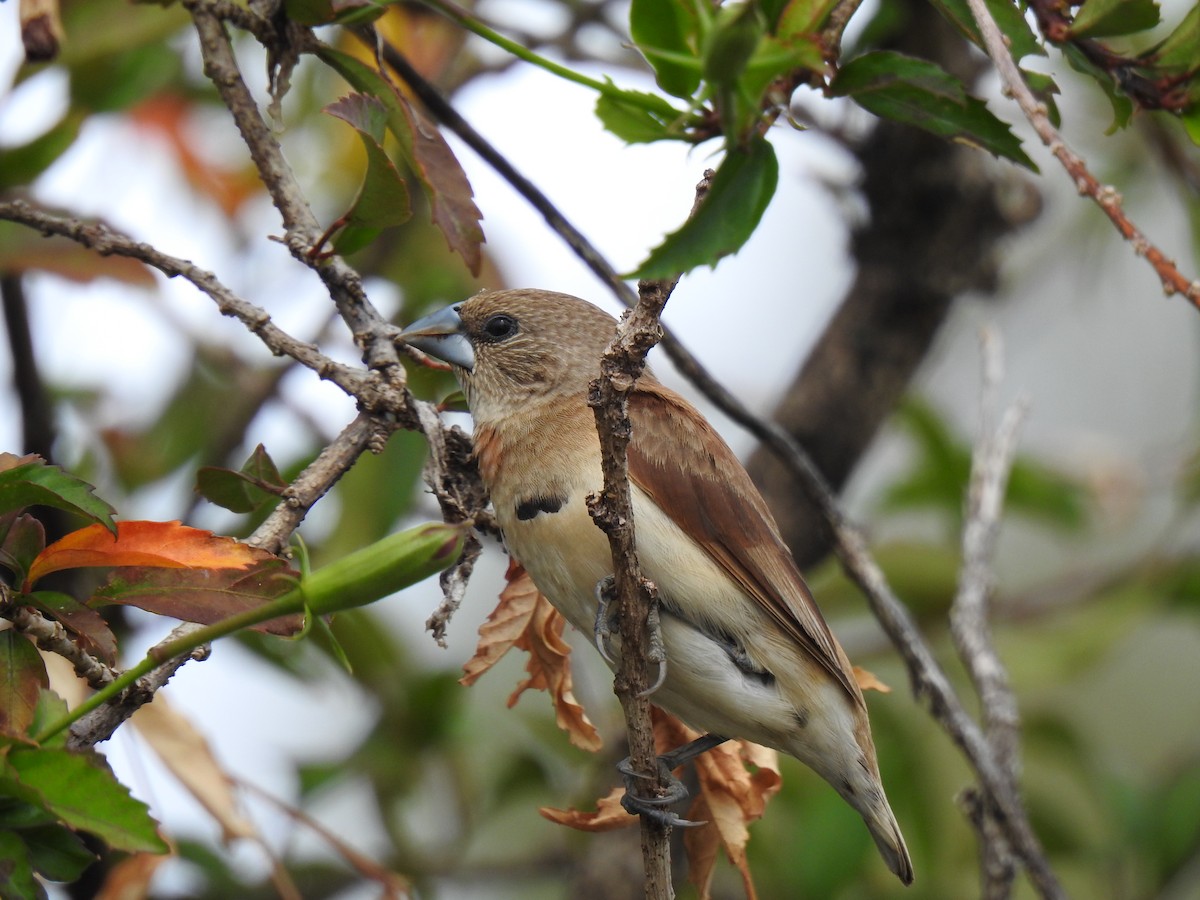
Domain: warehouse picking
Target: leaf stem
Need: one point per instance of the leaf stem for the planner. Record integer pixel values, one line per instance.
(457, 14)
(291, 602)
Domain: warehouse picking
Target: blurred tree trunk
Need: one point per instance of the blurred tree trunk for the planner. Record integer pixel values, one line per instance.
(935, 219)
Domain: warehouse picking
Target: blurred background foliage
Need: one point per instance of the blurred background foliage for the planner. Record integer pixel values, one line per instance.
(1098, 598)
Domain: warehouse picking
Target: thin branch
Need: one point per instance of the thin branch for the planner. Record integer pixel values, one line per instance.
(53, 638)
(303, 233)
(99, 724)
(991, 465)
(108, 241)
(990, 468)
(319, 476)
(623, 362)
(1104, 195)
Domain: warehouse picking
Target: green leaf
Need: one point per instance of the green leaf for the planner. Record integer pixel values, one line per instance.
(22, 678)
(799, 18)
(16, 870)
(31, 481)
(1179, 52)
(91, 632)
(21, 165)
(628, 117)
(1112, 18)
(914, 91)
(382, 200)
(255, 485)
(732, 40)
(942, 470)
(1007, 15)
(667, 34)
(741, 189)
(1122, 106)
(86, 796)
(57, 852)
(452, 208)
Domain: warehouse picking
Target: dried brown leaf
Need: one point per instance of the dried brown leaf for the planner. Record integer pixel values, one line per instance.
(525, 619)
(609, 815)
(505, 625)
(868, 682)
(130, 878)
(736, 780)
(186, 753)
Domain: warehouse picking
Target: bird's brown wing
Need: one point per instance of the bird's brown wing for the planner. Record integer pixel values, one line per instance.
(677, 458)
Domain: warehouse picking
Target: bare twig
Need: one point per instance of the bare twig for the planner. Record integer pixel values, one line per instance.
(990, 467)
(622, 363)
(52, 637)
(99, 724)
(303, 233)
(315, 481)
(1104, 195)
(108, 241)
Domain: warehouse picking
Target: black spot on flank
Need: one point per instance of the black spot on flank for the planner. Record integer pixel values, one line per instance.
(528, 509)
(801, 717)
(847, 788)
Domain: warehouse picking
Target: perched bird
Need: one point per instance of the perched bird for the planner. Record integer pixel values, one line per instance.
(748, 653)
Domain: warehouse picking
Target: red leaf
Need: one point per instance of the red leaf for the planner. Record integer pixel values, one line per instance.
(204, 595)
(158, 544)
(22, 677)
(92, 633)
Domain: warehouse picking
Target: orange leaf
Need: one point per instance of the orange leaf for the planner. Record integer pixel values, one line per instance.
(609, 815)
(158, 544)
(868, 682)
(526, 620)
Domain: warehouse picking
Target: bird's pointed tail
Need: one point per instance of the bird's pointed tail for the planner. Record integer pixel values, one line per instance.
(886, 832)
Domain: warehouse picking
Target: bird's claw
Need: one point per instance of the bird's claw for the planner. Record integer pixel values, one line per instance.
(655, 808)
(602, 631)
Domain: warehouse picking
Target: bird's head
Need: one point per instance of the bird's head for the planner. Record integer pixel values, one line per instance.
(512, 348)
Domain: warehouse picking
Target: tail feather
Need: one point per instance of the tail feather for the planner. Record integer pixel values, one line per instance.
(886, 832)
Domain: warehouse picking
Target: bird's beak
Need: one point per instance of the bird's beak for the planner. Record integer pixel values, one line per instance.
(440, 334)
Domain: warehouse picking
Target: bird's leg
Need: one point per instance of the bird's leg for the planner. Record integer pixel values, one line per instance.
(675, 792)
(603, 628)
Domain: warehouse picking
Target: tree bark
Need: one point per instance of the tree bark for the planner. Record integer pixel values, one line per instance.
(935, 218)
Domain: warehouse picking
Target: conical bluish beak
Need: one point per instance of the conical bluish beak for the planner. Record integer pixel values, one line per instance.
(440, 335)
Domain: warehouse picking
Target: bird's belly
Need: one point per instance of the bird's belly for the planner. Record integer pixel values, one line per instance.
(566, 555)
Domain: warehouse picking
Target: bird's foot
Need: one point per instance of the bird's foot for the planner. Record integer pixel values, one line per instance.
(602, 631)
(603, 628)
(674, 791)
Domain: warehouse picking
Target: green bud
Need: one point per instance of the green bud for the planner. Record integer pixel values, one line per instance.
(388, 565)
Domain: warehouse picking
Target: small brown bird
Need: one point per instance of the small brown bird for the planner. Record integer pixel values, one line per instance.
(748, 653)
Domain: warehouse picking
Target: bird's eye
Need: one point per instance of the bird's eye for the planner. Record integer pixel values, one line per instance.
(500, 327)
